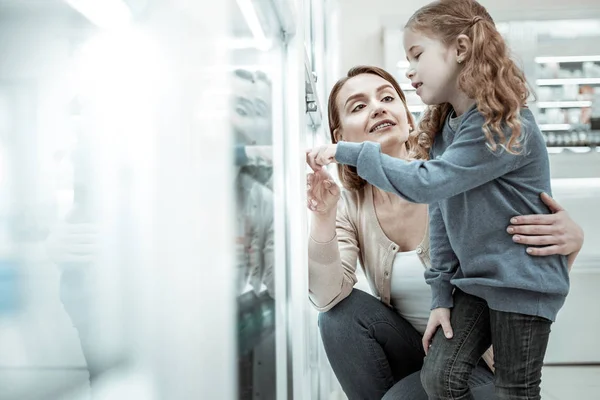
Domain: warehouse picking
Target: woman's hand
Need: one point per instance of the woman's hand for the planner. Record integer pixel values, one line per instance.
(438, 316)
(258, 154)
(320, 156)
(73, 244)
(557, 232)
(322, 192)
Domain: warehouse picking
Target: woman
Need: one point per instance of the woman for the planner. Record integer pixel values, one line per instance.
(374, 344)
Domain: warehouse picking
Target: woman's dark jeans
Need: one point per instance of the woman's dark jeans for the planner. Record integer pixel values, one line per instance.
(377, 354)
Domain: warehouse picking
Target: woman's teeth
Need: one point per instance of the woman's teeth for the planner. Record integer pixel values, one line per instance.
(378, 127)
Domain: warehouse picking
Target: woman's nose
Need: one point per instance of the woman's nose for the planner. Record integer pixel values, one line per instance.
(410, 72)
(377, 111)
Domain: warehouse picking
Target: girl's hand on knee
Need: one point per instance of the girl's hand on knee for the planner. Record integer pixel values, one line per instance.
(438, 316)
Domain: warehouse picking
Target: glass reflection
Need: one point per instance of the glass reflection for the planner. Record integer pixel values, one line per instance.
(252, 126)
(73, 242)
(91, 293)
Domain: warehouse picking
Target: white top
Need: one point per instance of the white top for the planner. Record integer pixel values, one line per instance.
(410, 294)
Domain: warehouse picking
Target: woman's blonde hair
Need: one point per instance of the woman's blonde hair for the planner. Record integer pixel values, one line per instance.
(489, 75)
(348, 175)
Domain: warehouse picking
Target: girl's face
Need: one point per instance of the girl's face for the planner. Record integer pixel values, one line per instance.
(371, 110)
(433, 69)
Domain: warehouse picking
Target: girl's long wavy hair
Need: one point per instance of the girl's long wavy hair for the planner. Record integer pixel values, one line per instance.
(348, 175)
(489, 75)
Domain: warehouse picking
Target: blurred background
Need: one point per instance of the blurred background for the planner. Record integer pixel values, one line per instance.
(153, 222)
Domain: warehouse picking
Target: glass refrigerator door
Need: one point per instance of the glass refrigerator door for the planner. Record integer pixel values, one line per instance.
(152, 244)
(256, 96)
(53, 228)
(269, 97)
(323, 382)
(116, 201)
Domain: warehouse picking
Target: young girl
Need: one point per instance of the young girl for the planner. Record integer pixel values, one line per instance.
(488, 161)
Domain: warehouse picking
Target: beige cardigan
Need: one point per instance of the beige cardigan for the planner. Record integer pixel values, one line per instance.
(332, 265)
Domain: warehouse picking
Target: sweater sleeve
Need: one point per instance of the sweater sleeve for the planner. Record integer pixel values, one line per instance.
(332, 265)
(444, 262)
(466, 164)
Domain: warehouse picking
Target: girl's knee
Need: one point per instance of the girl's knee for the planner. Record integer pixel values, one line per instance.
(433, 381)
(442, 382)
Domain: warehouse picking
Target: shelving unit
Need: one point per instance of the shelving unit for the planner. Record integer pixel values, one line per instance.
(564, 104)
(572, 138)
(555, 127)
(566, 59)
(567, 81)
(567, 87)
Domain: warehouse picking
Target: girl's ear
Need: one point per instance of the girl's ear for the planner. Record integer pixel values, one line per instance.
(463, 47)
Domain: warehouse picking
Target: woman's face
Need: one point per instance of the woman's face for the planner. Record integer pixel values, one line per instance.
(243, 115)
(263, 105)
(371, 110)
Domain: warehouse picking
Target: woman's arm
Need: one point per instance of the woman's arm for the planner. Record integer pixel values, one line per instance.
(253, 155)
(557, 232)
(332, 245)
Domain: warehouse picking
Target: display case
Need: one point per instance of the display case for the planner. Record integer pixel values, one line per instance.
(150, 239)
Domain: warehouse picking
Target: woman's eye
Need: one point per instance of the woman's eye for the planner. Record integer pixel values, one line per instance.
(241, 111)
(358, 107)
(417, 56)
(388, 99)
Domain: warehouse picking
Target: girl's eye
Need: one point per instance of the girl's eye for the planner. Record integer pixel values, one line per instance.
(388, 99)
(358, 107)
(417, 56)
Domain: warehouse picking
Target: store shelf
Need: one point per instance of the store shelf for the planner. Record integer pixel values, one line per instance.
(572, 149)
(568, 81)
(576, 138)
(567, 59)
(564, 104)
(577, 72)
(555, 127)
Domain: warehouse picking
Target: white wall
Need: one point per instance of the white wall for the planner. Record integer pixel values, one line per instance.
(574, 334)
(360, 24)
